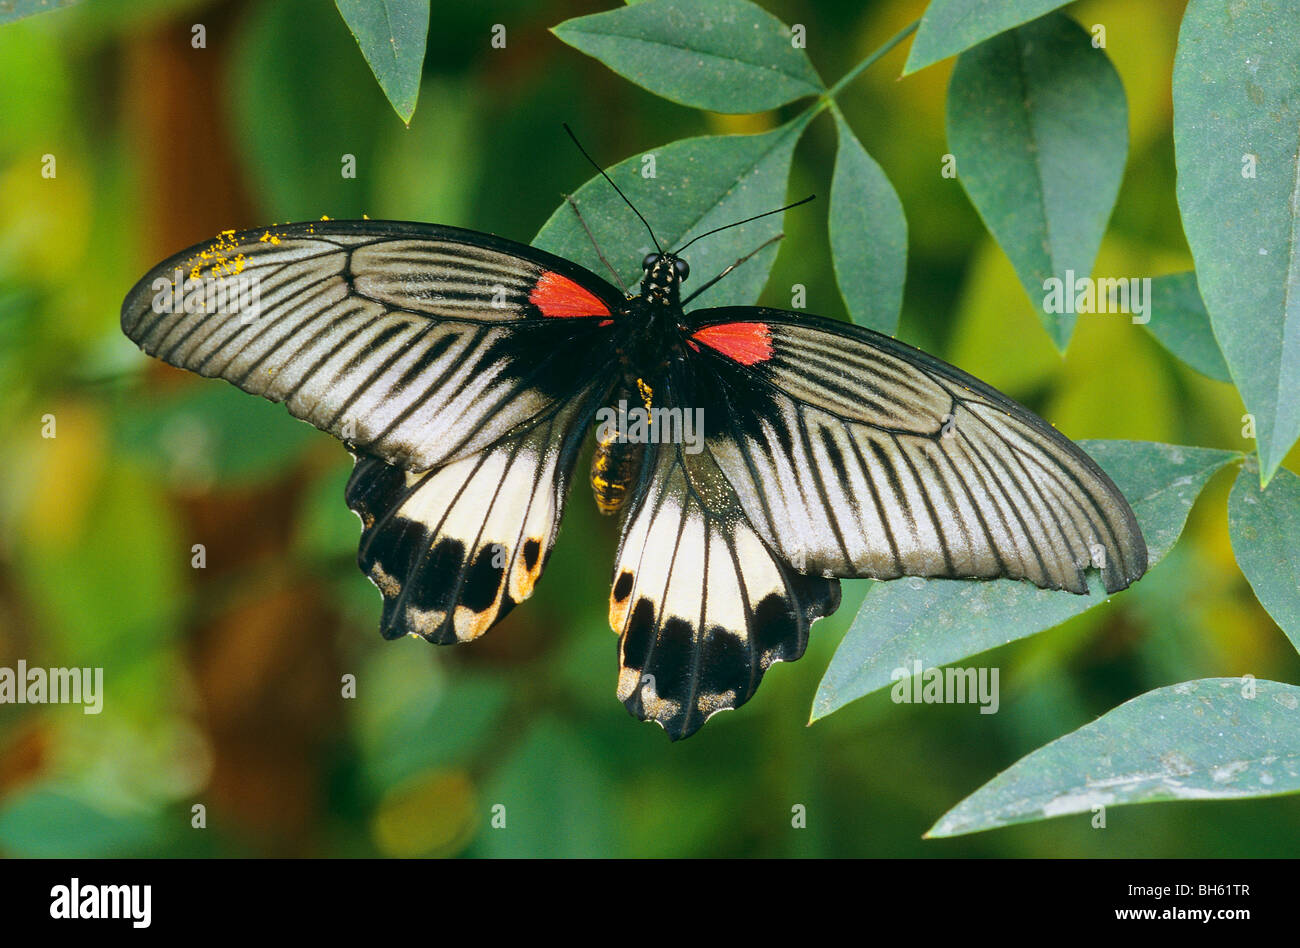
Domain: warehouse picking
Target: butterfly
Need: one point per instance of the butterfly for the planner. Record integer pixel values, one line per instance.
(755, 456)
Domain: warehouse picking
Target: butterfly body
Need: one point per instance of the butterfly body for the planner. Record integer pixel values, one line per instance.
(787, 451)
(614, 466)
(652, 333)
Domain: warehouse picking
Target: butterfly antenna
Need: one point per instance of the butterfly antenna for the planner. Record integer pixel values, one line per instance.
(701, 289)
(614, 186)
(745, 221)
(592, 237)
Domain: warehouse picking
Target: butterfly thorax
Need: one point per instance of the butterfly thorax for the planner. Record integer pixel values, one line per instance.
(662, 284)
(654, 320)
(655, 338)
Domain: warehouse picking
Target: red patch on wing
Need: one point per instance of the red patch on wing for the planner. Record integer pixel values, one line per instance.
(747, 343)
(555, 295)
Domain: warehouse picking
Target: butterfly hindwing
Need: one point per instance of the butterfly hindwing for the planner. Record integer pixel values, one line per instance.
(455, 548)
(702, 604)
(413, 343)
(856, 455)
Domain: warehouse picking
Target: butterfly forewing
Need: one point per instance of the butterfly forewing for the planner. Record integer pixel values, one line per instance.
(414, 343)
(855, 455)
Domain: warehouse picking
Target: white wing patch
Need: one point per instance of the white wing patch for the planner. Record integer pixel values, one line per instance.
(702, 605)
(454, 549)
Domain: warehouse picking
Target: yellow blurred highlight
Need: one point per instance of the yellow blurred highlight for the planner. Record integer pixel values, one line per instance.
(900, 121)
(432, 814)
(1244, 637)
(61, 475)
(47, 220)
(1112, 386)
(922, 95)
(756, 124)
(128, 762)
(998, 338)
(1140, 41)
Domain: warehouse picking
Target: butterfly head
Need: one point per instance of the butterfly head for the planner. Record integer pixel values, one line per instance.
(664, 275)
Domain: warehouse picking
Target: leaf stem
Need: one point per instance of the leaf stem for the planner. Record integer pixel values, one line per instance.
(871, 60)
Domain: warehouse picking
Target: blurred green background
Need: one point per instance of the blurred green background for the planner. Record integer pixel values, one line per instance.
(224, 684)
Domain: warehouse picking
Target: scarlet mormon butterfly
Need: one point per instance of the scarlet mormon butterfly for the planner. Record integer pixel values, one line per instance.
(463, 371)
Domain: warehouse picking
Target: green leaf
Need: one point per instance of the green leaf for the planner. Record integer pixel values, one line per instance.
(721, 55)
(1237, 144)
(1038, 123)
(937, 621)
(556, 799)
(392, 36)
(1210, 739)
(952, 26)
(1265, 529)
(11, 10)
(685, 188)
(868, 234)
(1180, 324)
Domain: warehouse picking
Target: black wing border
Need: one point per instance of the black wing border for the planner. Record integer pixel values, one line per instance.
(379, 230)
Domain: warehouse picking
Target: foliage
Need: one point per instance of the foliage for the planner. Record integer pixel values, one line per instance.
(391, 34)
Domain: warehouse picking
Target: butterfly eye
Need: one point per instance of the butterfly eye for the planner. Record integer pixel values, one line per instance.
(649, 262)
(682, 267)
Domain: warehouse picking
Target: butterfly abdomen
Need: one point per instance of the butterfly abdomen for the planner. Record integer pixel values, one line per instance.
(619, 450)
(613, 469)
